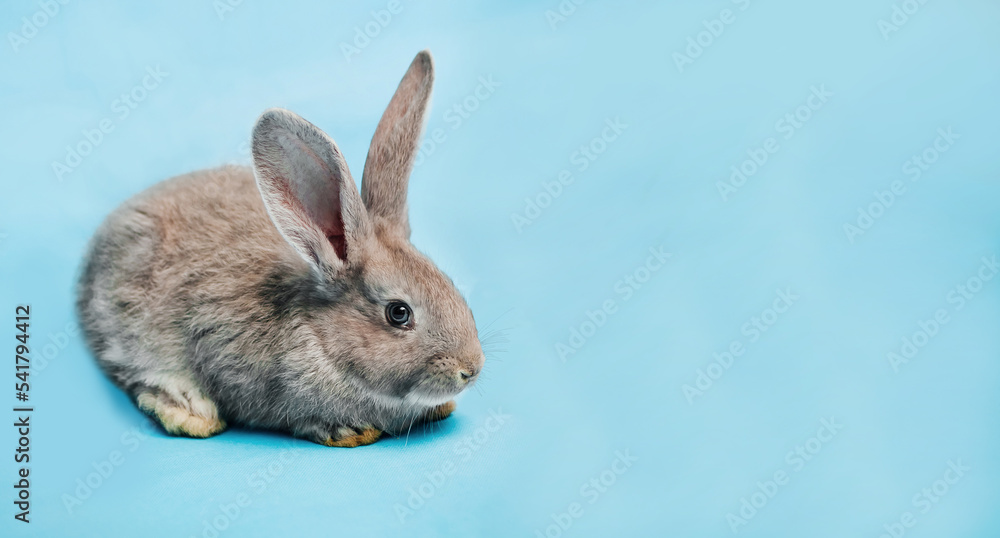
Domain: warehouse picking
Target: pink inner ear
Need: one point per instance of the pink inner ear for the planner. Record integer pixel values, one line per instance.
(339, 242)
(324, 206)
(335, 231)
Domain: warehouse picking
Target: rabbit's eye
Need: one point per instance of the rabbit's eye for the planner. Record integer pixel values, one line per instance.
(399, 314)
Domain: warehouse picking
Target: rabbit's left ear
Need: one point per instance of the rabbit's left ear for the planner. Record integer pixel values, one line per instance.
(308, 191)
(394, 148)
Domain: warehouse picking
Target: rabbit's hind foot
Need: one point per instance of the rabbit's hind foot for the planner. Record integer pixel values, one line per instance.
(195, 416)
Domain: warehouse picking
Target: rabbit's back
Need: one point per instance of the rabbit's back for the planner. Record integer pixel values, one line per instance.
(189, 247)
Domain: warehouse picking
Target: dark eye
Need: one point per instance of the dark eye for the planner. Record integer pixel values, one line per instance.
(399, 314)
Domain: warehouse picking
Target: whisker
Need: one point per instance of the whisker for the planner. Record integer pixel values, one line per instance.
(410, 427)
(497, 319)
(496, 336)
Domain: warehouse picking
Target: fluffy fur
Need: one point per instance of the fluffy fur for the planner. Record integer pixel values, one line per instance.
(258, 297)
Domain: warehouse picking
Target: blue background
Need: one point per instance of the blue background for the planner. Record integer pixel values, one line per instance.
(655, 185)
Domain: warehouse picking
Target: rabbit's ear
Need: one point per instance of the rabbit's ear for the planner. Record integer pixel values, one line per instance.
(308, 190)
(394, 147)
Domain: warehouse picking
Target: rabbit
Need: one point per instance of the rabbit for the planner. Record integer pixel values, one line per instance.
(278, 297)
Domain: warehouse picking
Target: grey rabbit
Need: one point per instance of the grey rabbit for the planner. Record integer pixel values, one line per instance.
(279, 297)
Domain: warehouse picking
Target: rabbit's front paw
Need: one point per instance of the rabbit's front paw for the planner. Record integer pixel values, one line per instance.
(440, 412)
(352, 437)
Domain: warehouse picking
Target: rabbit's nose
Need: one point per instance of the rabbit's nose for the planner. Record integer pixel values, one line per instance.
(469, 371)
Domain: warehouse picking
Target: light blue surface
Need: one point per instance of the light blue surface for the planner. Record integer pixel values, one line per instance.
(655, 185)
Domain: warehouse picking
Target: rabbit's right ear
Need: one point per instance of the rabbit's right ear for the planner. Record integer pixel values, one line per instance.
(394, 148)
(308, 190)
